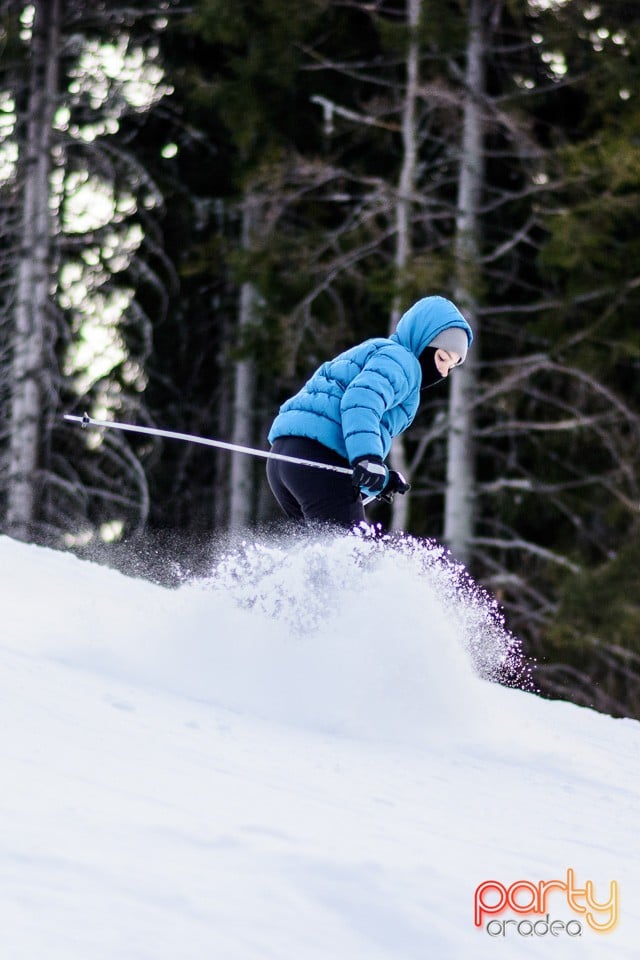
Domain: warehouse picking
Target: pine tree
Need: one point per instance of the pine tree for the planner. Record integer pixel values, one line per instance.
(85, 238)
(32, 391)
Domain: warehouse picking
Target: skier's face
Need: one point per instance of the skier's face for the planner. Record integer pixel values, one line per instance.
(445, 360)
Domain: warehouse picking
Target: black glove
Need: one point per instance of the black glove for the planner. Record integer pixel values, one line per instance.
(370, 475)
(395, 484)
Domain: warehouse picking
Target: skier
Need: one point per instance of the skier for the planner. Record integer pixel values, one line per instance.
(351, 408)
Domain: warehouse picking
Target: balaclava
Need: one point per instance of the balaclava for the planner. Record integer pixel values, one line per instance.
(454, 339)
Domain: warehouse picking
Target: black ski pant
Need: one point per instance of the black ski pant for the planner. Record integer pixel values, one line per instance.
(310, 494)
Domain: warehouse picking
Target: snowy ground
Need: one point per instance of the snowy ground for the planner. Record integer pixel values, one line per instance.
(293, 760)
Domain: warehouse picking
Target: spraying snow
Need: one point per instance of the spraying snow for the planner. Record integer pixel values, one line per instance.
(346, 634)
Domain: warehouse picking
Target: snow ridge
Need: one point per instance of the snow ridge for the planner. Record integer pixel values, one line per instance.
(294, 756)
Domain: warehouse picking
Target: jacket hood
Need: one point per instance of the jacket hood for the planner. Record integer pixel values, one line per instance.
(425, 320)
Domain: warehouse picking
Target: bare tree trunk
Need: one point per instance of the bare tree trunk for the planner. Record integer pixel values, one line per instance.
(404, 203)
(241, 471)
(28, 372)
(460, 501)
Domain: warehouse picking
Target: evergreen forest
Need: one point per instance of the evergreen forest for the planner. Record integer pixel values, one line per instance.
(203, 200)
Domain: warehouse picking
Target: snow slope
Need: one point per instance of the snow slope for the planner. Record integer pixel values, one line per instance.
(294, 759)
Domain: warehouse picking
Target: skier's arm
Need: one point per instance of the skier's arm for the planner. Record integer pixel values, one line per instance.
(381, 385)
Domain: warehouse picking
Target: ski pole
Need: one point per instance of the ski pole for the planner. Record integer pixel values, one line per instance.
(87, 421)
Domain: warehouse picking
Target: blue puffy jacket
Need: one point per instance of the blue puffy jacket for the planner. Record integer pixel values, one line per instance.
(356, 403)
